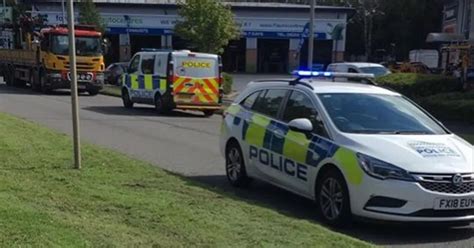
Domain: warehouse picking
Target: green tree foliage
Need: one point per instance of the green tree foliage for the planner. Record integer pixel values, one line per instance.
(207, 24)
(90, 15)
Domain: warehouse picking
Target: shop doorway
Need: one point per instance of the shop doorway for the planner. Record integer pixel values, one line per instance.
(233, 58)
(322, 54)
(272, 55)
(138, 42)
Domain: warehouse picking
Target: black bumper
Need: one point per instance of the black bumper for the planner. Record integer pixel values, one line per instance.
(58, 83)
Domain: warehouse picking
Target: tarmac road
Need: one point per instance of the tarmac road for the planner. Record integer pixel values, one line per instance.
(187, 143)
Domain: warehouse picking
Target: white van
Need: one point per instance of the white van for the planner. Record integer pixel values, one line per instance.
(174, 80)
(358, 67)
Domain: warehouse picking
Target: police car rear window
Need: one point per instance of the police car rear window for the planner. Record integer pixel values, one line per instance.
(269, 103)
(250, 100)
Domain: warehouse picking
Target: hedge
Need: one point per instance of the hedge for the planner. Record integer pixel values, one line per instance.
(227, 83)
(419, 85)
(455, 106)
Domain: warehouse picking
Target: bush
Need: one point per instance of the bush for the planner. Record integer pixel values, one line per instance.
(227, 83)
(419, 85)
(450, 106)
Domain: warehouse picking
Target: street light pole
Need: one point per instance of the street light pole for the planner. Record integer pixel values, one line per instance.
(63, 10)
(311, 35)
(73, 77)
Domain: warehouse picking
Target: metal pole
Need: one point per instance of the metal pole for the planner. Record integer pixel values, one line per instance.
(62, 6)
(73, 72)
(311, 35)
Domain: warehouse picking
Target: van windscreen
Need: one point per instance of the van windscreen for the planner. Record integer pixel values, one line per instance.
(186, 66)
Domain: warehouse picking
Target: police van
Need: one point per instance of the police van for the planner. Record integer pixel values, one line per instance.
(174, 80)
(354, 148)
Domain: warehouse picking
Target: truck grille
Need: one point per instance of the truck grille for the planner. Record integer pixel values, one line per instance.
(81, 66)
(444, 183)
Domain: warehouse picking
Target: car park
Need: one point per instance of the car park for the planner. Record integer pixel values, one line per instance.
(357, 150)
(359, 67)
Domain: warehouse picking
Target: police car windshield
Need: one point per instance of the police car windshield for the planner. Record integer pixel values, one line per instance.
(199, 67)
(377, 114)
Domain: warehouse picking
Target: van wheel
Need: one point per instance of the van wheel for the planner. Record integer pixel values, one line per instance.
(332, 198)
(235, 166)
(127, 103)
(160, 105)
(208, 113)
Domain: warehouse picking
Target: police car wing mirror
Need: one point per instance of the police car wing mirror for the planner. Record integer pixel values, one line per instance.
(302, 125)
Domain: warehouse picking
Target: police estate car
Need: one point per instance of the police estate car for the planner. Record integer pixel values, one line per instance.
(356, 149)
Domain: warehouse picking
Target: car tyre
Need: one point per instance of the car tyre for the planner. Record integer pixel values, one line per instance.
(235, 166)
(332, 199)
(127, 103)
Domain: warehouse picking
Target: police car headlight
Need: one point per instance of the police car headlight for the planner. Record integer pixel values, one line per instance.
(382, 170)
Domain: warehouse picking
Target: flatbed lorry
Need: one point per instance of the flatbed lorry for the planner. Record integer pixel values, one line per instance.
(44, 63)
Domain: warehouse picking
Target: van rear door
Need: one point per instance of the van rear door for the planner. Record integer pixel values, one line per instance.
(196, 79)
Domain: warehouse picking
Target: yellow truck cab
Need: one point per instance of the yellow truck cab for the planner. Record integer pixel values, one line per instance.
(174, 80)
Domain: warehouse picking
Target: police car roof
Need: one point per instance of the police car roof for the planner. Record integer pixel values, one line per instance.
(326, 86)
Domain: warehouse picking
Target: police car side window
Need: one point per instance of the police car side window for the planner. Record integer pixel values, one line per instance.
(148, 64)
(300, 106)
(269, 102)
(250, 100)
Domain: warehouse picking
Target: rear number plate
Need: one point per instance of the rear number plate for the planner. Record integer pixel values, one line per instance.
(454, 203)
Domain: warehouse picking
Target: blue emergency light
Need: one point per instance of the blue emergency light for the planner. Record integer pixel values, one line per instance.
(312, 73)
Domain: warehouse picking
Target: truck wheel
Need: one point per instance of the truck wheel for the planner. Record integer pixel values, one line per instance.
(45, 89)
(127, 103)
(93, 92)
(34, 82)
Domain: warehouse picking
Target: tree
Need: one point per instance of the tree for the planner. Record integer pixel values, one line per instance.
(90, 15)
(207, 24)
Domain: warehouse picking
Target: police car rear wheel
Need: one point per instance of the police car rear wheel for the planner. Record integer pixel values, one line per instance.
(333, 199)
(235, 168)
(127, 103)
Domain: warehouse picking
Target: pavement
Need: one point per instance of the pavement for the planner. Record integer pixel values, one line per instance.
(187, 143)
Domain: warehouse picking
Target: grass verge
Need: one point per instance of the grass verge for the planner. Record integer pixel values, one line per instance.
(111, 90)
(118, 201)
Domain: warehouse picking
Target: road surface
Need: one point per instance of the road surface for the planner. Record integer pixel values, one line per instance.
(187, 143)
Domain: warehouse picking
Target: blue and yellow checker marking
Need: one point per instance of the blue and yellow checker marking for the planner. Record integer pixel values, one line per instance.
(260, 131)
(144, 82)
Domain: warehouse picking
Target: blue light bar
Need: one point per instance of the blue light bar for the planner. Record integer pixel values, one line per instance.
(312, 73)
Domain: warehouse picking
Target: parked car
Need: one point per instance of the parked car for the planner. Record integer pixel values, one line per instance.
(114, 71)
(359, 67)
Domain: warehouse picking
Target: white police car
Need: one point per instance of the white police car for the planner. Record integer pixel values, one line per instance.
(356, 149)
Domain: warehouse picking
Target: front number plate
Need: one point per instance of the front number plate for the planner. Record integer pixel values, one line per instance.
(454, 203)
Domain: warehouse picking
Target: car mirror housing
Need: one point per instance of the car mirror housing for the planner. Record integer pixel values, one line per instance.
(301, 125)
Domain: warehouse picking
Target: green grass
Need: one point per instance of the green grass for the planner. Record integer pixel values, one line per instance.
(111, 90)
(118, 201)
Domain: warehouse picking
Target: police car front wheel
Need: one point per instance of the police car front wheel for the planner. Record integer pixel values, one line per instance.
(235, 167)
(333, 198)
